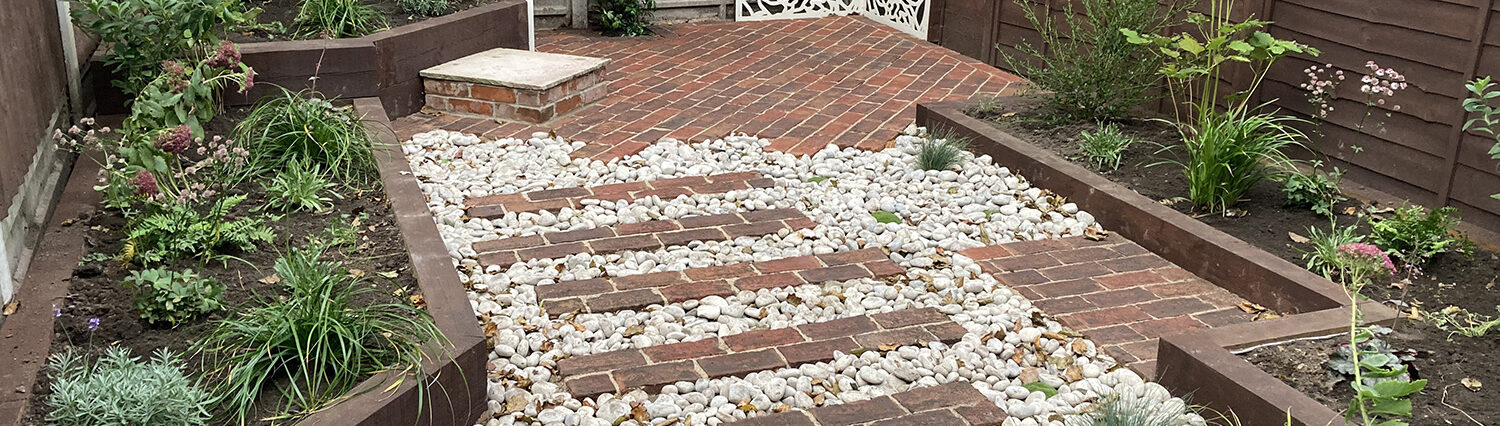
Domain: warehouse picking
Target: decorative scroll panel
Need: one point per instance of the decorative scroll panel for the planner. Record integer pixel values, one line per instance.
(909, 16)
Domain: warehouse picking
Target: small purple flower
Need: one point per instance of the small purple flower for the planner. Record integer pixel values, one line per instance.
(173, 67)
(56, 311)
(93, 324)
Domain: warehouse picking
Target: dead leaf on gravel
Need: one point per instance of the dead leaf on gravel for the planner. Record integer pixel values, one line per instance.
(1073, 374)
(1251, 308)
(887, 347)
(272, 279)
(1298, 238)
(1471, 383)
(356, 273)
(10, 308)
(1095, 234)
(515, 404)
(1080, 347)
(1029, 375)
(634, 330)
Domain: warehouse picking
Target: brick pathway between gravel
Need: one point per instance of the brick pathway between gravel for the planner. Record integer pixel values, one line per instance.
(802, 83)
(1115, 292)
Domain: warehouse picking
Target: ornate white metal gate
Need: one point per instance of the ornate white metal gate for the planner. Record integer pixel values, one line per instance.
(909, 16)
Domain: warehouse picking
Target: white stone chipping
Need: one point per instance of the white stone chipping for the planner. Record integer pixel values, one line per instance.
(1009, 341)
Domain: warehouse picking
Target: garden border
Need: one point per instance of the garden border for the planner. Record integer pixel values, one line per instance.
(1197, 363)
(383, 65)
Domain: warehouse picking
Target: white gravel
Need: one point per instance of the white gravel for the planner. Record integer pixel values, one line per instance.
(1009, 342)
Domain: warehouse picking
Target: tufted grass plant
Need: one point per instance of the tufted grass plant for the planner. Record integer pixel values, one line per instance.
(425, 7)
(1116, 411)
(302, 127)
(337, 19)
(1230, 152)
(120, 390)
(314, 345)
(1103, 148)
(300, 187)
(942, 150)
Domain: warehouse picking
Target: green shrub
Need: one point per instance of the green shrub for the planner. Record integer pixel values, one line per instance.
(1316, 191)
(337, 19)
(425, 7)
(1323, 258)
(299, 187)
(142, 34)
(303, 127)
(174, 298)
(189, 93)
(1414, 234)
(315, 344)
(1085, 66)
(1103, 148)
(623, 17)
(179, 231)
(119, 390)
(1231, 152)
(942, 151)
(1488, 121)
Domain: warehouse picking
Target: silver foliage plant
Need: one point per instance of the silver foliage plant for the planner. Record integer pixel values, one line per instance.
(120, 390)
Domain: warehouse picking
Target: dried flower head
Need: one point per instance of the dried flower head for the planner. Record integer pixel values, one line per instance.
(145, 184)
(176, 140)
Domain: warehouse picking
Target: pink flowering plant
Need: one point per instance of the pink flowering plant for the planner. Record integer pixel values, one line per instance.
(183, 94)
(1321, 86)
(1381, 384)
(1378, 86)
(165, 166)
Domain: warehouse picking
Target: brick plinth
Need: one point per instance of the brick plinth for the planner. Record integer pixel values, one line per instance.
(515, 103)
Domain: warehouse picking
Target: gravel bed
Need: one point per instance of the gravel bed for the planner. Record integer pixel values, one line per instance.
(1009, 341)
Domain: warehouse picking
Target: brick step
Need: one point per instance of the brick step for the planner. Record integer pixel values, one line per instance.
(1115, 292)
(494, 206)
(518, 85)
(648, 235)
(610, 294)
(950, 404)
(656, 366)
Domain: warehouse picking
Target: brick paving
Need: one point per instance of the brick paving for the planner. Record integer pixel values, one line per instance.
(656, 366)
(638, 291)
(648, 235)
(951, 404)
(494, 206)
(1115, 292)
(802, 83)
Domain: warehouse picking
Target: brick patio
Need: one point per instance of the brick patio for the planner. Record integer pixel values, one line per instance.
(801, 83)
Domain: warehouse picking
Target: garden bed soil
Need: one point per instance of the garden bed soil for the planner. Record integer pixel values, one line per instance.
(95, 290)
(284, 12)
(1261, 219)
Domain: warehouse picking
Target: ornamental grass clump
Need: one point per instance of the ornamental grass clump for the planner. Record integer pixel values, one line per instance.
(337, 19)
(314, 345)
(1228, 153)
(1114, 410)
(120, 390)
(1104, 148)
(942, 151)
(425, 7)
(300, 187)
(304, 128)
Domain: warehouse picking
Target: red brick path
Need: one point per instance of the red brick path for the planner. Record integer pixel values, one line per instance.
(648, 235)
(494, 206)
(952, 404)
(1115, 292)
(802, 83)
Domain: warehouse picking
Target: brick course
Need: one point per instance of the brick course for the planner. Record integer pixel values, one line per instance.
(494, 206)
(614, 239)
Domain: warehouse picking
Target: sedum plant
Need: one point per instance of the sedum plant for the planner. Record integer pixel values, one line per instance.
(1104, 147)
(314, 345)
(120, 390)
(174, 298)
(337, 19)
(1380, 380)
(942, 151)
(1086, 67)
(304, 128)
(1323, 258)
(300, 187)
(1414, 234)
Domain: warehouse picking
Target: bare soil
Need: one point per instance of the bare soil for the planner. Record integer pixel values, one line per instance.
(1262, 220)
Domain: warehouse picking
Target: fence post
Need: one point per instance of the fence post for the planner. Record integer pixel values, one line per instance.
(1456, 135)
(578, 13)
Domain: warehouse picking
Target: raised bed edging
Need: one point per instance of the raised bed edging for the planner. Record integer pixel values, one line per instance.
(382, 65)
(1198, 363)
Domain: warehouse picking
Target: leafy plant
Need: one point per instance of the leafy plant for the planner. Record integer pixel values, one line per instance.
(1116, 411)
(1316, 191)
(1488, 121)
(174, 298)
(189, 95)
(314, 345)
(1380, 382)
(1230, 152)
(1456, 320)
(1103, 148)
(178, 231)
(303, 127)
(119, 390)
(425, 7)
(1415, 234)
(626, 18)
(1086, 67)
(142, 34)
(942, 151)
(337, 19)
(299, 187)
(1324, 256)
(344, 230)
(1193, 64)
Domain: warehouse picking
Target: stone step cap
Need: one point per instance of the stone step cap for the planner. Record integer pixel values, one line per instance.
(517, 69)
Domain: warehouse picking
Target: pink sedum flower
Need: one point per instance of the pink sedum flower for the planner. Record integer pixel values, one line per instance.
(1370, 253)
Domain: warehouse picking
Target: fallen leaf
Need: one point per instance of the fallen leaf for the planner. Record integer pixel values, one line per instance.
(1029, 375)
(638, 413)
(1053, 336)
(887, 347)
(1297, 238)
(272, 279)
(1008, 114)
(388, 274)
(547, 345)
(490, 329)
(1236, 213)
(1401, 283)
(634, 330)
(10, 308)
(1073, 374)
(356, 273)
(1094, 234)
(1414, 314)
(1251, 308)
(69, 222)
(418, 301)
(747, 407)
(1080, 347)
(1471, 383)
(1350, 211)
(515, 404)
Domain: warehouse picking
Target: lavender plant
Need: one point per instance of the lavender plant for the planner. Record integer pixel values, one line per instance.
(120, 390)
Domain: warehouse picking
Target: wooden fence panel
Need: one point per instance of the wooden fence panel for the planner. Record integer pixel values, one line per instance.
(1418, 152)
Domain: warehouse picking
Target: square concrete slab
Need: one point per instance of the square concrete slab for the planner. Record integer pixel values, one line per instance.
(518, 69)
